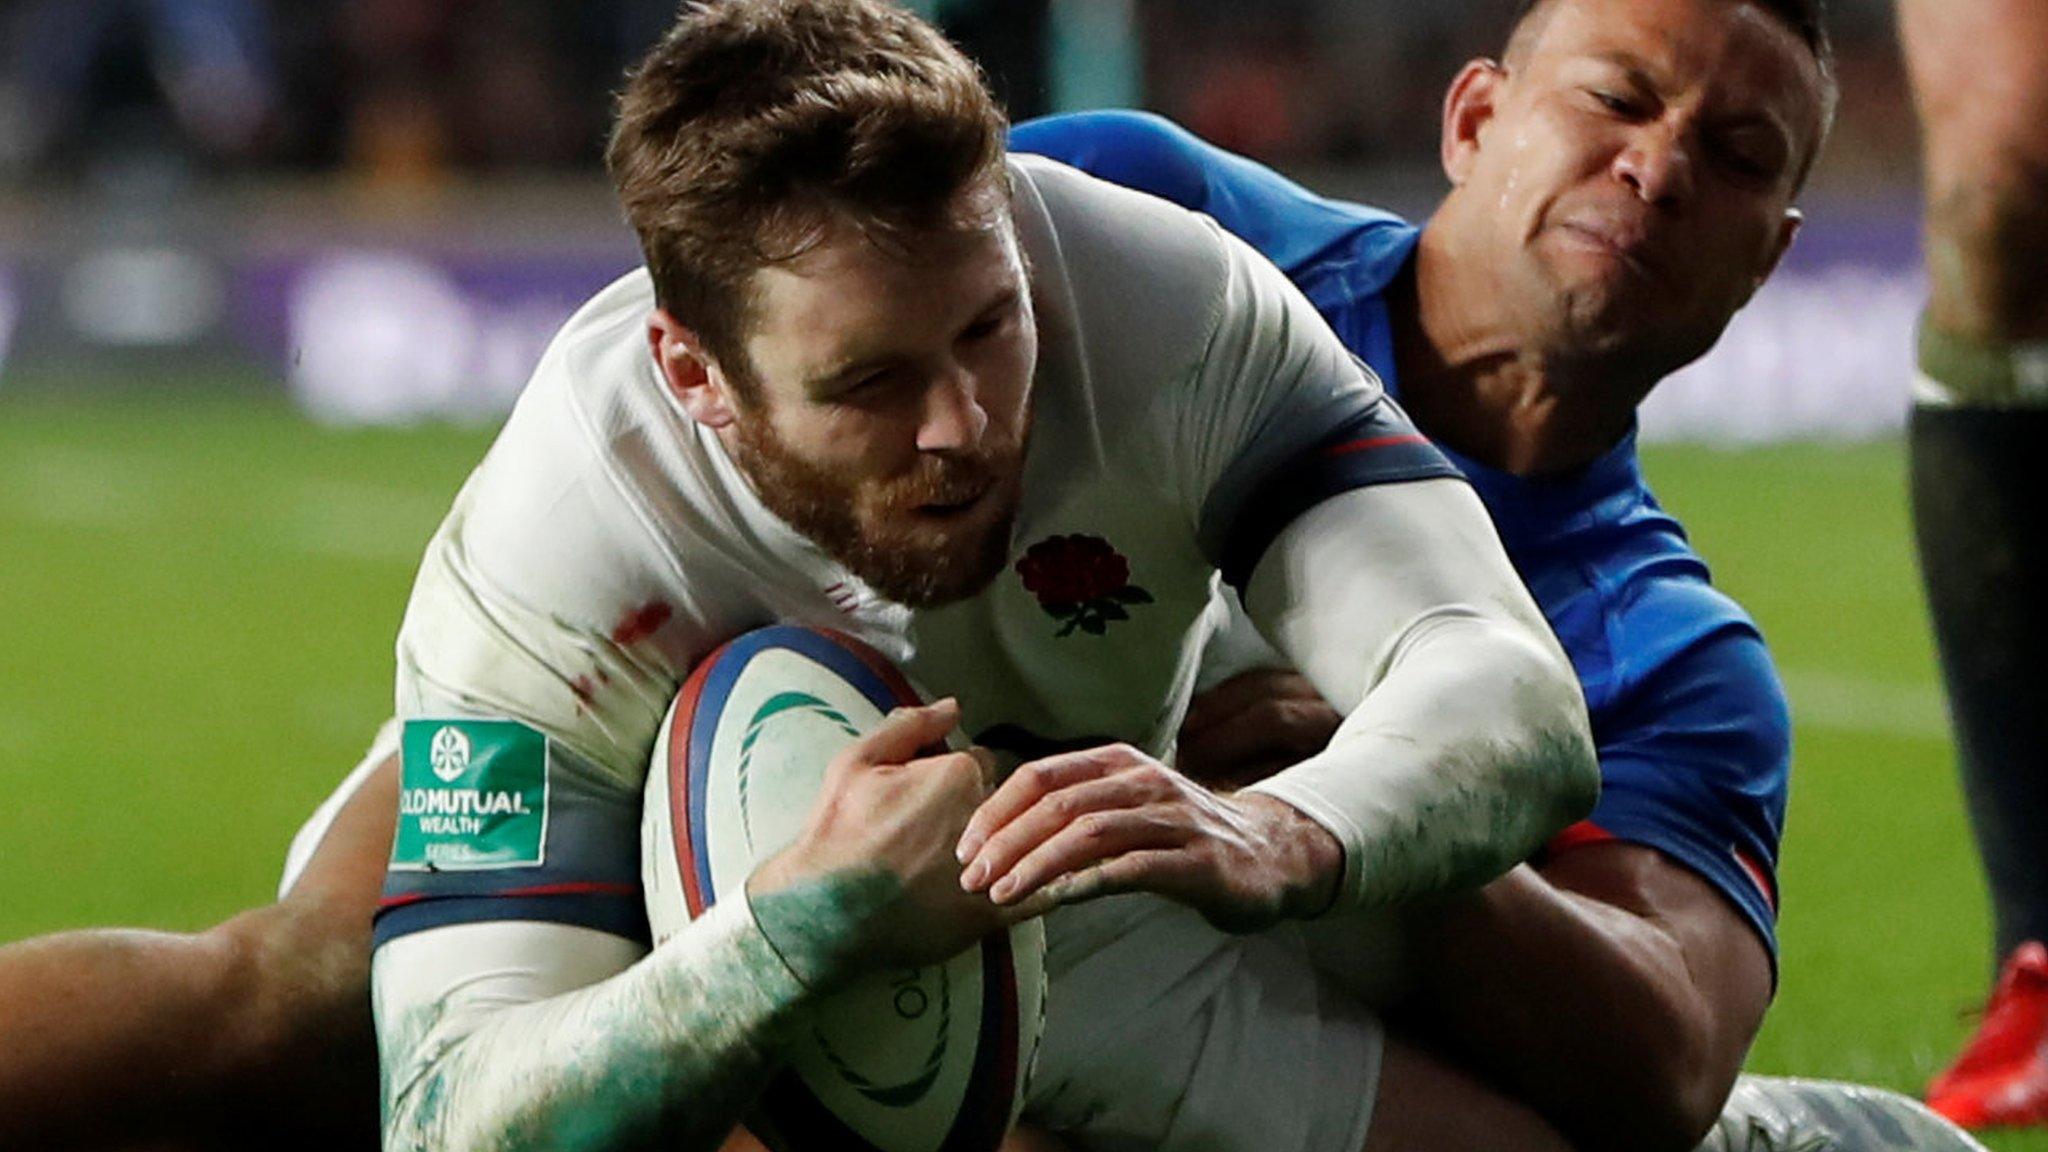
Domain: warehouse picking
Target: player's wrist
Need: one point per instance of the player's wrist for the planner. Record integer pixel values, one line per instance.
(1310, 858)
(817, 924)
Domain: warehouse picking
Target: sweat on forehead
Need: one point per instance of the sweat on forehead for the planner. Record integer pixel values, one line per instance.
(1805, 18)
(1802, 18)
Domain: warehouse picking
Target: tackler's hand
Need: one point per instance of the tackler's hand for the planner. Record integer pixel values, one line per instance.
(1084, 824)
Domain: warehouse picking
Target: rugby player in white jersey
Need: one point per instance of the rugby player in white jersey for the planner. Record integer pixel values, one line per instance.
(877, 378)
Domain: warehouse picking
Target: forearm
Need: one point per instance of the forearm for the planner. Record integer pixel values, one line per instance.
(251, 1034)
(143, 1018)
(667, 1054)
(1625, 1027)
(1464, 757)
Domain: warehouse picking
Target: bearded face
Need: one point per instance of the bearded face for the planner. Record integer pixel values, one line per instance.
(881, 402)
(937, 533)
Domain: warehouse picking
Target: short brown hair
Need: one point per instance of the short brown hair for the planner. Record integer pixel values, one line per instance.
(754, 123)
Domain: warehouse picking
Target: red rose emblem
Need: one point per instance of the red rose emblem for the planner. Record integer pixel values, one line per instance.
(1081, 581)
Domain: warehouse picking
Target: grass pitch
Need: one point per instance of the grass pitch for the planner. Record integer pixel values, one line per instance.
(198, 596)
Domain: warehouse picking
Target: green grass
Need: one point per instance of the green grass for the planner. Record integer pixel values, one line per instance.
(198, 599)
(197, 606)
(1884, 927)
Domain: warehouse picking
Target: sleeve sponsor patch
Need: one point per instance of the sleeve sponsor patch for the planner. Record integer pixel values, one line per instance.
(473, 796)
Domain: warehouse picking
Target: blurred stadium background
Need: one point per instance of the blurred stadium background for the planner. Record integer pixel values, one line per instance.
(270, 270)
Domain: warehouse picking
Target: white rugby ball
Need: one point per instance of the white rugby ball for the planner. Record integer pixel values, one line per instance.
(927, 1060)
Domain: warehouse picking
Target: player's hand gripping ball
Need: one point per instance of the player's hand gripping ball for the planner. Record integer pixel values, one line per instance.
(932, 1059)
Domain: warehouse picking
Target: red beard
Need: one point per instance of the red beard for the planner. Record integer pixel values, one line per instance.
(879, 530)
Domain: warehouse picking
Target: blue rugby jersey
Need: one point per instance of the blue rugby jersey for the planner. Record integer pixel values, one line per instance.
(1688, 714)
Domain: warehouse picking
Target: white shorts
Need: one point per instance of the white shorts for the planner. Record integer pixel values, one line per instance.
(307, 841)
(1165, 1034)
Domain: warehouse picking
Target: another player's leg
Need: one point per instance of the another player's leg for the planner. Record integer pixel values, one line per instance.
(1979, 430)
(255, 1034)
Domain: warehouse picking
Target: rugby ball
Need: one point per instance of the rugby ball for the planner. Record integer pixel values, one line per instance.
(930, 1060)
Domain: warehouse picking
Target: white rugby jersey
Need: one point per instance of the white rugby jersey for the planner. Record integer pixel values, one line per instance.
(1188, 404)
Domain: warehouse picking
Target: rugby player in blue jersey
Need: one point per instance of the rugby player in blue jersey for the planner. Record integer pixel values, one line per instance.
(1624, 178)
(1623, 181)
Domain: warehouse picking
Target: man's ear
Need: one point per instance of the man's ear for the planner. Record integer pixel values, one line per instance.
(1788, 230)
(1468, 106)
(688, 371)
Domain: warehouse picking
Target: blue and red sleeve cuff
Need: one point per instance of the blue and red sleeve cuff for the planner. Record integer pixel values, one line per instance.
(1744, 878)
(615, 909)
(1378, 446)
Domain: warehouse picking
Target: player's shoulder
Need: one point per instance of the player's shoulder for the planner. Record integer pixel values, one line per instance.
(1336, 250)
(1691, 655)
(551, 454)
(600, 352)
(1131, 287)
(1135, 149)
(1660, 595)
(590, 374)
(595, 483)
(1108, 241)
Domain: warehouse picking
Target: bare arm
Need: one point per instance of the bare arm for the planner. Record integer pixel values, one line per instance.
(1612, 987)
(1614, 990)
(253, 1033)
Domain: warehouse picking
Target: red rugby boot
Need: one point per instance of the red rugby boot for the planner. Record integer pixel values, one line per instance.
(2001, 1078)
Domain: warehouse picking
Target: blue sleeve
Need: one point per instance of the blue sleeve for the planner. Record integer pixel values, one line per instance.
(1287, 223)
(1695, 760)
